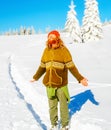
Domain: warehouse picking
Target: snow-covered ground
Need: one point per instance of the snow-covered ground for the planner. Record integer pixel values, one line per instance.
(24, 105)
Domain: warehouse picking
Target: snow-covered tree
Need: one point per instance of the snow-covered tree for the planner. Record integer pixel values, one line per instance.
(32, 30)
(39, 31)
(22, 32)
(14, 32)
(48, 28)
(72, 24)
(92, 26)
(28, 31)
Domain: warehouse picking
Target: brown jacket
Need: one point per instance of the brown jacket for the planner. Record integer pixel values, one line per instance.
(56, 63)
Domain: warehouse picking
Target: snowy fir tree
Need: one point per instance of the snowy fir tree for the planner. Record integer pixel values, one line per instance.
(92, 26)
(72, 24)
(27, 31)
(47, 29)
(32, 30)
(21, 30)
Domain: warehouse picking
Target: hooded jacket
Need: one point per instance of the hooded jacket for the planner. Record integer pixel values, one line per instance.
(55, 63)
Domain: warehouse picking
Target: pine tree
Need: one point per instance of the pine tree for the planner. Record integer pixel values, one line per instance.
(21, 30)
(92, 26)
(47, 29)
(72, 24)
(27, 31)
(32, 30)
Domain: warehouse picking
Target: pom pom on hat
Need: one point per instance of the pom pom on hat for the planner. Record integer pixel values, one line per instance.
(55, 33)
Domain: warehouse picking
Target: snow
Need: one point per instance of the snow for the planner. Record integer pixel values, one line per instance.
(24, 105)
(72, 24)
(92, 26)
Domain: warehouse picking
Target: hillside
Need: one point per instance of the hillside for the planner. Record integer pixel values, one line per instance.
(22, 103)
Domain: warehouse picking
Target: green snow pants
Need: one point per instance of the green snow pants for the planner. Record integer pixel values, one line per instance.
(53, 108)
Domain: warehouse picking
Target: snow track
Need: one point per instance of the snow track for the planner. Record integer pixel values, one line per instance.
(27, 93)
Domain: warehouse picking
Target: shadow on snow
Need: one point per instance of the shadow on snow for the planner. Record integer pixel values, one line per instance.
(77, 101)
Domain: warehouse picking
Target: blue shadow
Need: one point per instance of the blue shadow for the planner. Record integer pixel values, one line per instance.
(77, 101)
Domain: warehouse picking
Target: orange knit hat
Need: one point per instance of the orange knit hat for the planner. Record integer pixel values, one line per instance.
(55, 33)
